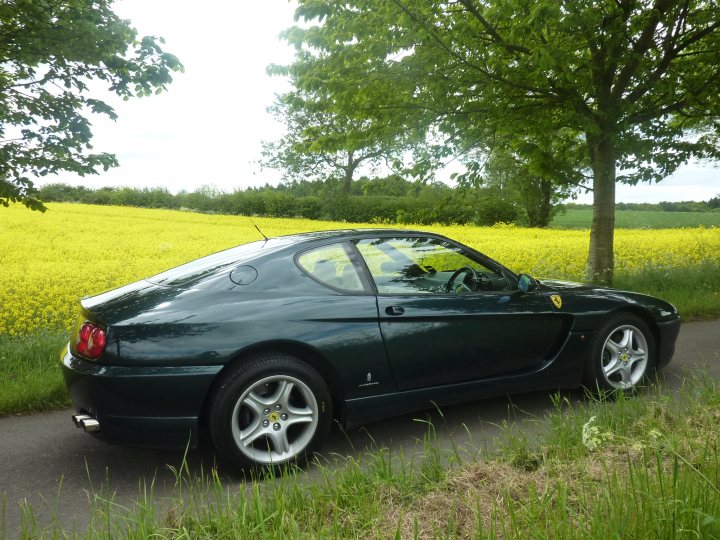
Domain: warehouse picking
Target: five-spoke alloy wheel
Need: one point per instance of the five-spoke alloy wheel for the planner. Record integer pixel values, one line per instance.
(623, 354)
(274, 419)
(272, 409)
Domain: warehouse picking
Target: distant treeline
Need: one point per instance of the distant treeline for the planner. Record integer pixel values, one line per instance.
(371, 201)
(387, 200)
(681, 206)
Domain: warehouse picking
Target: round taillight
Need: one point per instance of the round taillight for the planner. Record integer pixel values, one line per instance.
(85, 331)
(90, 341)
(96, 344)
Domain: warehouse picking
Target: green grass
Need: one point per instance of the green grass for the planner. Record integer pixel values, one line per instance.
(646, 466)
(581, 218)
(694, 291)
(30, 373)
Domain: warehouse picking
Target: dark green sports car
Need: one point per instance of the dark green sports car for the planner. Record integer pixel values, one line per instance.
(266, 343)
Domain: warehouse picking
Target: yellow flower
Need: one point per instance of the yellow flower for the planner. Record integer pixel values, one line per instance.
(50, 261)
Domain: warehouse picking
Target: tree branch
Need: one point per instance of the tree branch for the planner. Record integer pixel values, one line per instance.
(496, 37)
(643, 44)
(431, 32)
(667, 59)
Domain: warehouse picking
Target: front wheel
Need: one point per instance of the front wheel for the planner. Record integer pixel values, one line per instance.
(623, 355)
(272, 410)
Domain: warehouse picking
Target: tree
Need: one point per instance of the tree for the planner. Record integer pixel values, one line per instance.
(319, 144)
(51, 53)
(535, 192)
(539, 172)
(635, 80)
(326, 138)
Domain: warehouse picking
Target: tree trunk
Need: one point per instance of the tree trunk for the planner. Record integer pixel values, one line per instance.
(601, 259)
(349, 170)
(536, 199)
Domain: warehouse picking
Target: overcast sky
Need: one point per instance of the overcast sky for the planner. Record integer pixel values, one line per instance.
(207, 129)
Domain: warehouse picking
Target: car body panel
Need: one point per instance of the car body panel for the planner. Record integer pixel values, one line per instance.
(563, 371)
(168, 344)
(173, 330)
(140, 405)
(450, 338)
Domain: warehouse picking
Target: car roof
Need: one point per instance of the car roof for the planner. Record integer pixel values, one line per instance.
(340, 234)
(191, 272)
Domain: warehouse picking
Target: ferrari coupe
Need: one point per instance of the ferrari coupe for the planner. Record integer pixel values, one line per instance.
(264, 345)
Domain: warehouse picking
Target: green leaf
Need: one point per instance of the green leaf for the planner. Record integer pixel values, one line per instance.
(51, 46)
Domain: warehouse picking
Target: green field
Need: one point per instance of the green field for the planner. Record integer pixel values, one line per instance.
(581, 218)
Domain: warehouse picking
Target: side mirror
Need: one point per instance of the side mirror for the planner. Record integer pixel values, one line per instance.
(526, 283)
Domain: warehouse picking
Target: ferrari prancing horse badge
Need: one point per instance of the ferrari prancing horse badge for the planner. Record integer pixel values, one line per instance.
(556, 300)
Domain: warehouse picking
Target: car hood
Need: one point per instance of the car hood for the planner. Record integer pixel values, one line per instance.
(559, 285)
(661, 309)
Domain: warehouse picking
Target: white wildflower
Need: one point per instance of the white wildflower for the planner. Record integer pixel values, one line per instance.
(593, 437)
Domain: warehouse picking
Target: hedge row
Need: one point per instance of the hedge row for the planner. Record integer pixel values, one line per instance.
(433, 204)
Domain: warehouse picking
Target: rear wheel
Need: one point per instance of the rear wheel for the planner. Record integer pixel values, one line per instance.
(623, 355)
(271, 410)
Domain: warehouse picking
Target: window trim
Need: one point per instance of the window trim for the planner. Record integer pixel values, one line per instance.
(467, 251)
(368, 288)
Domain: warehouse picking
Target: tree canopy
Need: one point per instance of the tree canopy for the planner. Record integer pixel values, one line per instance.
(635, 83)
(322, 144)
(328, 139)
(53, 55)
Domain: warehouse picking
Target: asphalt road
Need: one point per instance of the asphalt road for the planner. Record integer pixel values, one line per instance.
(54, 468)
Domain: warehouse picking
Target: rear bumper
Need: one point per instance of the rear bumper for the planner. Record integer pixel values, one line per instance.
(668, 333)
(156, 406)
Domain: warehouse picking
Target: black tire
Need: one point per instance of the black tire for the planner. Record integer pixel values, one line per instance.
(622, 355)
(268, 411)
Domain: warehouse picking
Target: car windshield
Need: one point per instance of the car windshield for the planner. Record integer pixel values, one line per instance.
(194, 271)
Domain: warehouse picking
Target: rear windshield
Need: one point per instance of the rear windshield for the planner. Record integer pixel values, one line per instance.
(206, 267)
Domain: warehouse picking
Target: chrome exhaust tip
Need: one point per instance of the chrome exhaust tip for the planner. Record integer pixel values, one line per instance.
(89, 425)
(77, 418)
(86, 422)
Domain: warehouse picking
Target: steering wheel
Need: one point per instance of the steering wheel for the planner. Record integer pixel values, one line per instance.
(476, 276)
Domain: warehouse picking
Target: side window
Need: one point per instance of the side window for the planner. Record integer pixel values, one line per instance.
(425, 266)
(331, 265)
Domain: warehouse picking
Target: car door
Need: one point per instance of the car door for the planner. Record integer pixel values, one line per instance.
(448, 316)
(342, 322)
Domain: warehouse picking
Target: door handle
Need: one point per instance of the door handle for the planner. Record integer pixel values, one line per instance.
(394, 310)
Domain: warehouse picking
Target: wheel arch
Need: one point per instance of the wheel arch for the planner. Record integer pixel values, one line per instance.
(301, 351)
(638, 311)
(646, 317)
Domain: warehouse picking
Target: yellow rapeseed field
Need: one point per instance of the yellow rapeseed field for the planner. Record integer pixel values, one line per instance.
(49, 261)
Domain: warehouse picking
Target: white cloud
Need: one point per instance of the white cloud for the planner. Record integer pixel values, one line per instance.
(692, 182)
(208, 127)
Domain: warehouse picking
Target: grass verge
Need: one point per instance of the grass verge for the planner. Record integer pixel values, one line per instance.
(639, 467)
(694, 291)
(30, 373)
